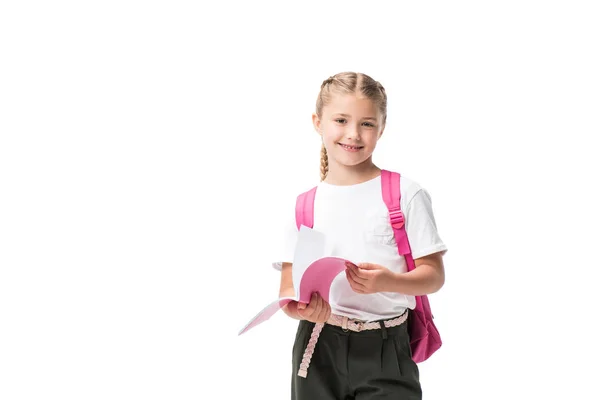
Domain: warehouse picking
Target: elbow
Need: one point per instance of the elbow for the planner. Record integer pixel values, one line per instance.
(437, 283)
(440, 283)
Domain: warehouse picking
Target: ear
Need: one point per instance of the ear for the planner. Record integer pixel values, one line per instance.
(316, 123)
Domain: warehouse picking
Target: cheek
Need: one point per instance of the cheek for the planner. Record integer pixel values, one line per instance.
(333, 135)
(370, 138)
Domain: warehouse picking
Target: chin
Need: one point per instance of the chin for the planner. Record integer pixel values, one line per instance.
(349, 162)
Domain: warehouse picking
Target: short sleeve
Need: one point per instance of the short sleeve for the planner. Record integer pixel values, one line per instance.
(421, 227)
(284, 240)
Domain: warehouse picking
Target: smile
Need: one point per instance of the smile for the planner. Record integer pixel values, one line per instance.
(350, 148)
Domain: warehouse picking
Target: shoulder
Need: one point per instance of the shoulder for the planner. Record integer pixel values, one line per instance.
(411, 188)
(304, 196)
(296, 204)
(306, 191)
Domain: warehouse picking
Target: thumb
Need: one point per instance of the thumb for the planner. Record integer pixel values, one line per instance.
(367, 266)
(301, 306)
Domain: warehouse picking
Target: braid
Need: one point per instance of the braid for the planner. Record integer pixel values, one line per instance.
(324, 163)
(348, 83)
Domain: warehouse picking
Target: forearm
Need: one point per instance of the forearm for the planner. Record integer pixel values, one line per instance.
(423, 280)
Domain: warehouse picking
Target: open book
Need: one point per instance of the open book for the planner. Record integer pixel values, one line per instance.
(311, 272)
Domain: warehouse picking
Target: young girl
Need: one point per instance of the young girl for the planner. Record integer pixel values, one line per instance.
(347, 362)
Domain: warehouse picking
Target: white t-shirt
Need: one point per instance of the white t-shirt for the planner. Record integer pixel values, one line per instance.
(356, 218)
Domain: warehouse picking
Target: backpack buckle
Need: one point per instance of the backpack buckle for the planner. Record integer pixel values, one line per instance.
(397, 219)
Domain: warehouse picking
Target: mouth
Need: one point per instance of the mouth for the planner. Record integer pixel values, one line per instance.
(350, 148)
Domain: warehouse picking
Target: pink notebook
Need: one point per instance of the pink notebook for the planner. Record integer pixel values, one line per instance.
(310, 273)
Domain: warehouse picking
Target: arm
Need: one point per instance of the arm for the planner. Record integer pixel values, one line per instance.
(286, 288)
(427, 277)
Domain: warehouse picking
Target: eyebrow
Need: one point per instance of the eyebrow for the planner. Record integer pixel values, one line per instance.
(348, 116)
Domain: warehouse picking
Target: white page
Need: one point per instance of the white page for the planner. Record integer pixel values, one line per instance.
(310, 246)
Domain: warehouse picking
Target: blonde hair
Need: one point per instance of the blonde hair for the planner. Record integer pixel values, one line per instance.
(349, 83)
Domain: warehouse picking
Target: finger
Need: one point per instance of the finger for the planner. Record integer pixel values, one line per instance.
(351, 280)
(327, 311)
(323, 306)
(364, 273)
(356, 275)
(312, 312)
(352, 272)
(367, 266)
(304, 313)
(310, 309)
(357, 287)
(292, 306)
(317, 310)
(324, 312)
(359, 267)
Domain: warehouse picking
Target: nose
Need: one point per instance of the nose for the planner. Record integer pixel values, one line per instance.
(353, 133)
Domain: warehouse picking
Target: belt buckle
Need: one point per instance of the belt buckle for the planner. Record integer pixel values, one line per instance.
(345, 324)
(359, 326)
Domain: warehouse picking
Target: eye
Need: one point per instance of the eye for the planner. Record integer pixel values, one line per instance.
(370, 125)
(340, 120)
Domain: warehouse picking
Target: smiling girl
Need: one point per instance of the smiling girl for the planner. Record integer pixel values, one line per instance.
(363, 348)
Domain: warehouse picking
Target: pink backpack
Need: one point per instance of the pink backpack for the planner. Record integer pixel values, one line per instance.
(424, 336)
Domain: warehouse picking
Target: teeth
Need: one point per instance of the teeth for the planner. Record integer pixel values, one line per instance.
(350, 147)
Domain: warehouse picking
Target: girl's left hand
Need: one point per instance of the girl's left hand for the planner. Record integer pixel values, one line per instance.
(367, 278)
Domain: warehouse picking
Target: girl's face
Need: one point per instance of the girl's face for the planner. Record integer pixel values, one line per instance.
(350, 127)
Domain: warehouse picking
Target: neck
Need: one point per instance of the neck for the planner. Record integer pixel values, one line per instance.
(344, 175)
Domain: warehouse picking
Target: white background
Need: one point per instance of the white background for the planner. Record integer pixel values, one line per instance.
(148, 149)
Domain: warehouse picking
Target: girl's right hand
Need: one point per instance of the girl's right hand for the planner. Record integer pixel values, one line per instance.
(317, 310)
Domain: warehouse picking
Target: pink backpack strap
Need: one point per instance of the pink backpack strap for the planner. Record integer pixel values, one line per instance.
(390, 187)
(424, 336)
(305, 203)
